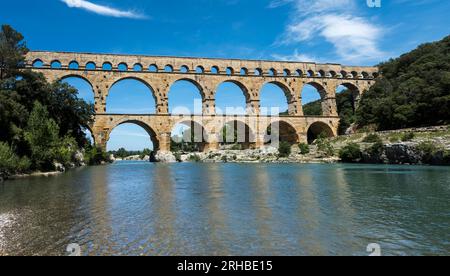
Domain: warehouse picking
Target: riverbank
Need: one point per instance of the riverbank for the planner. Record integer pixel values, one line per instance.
(418, 146)
(415, 146)
(79, 160)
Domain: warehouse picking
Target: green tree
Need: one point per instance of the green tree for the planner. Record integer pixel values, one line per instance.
(313, 108)
(38, 120)
(65, 150)
(42, 136)
(95, 155)
(121, 153)
(350, 153)
(12, 51)
(346, 109)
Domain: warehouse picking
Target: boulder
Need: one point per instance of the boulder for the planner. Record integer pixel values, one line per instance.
(402, 153)
(59, 167)
(165, 157)
(79, 158)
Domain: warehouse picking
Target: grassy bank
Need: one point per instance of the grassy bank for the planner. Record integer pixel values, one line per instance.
(430, 145)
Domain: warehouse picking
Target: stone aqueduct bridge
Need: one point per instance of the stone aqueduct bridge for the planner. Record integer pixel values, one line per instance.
(102, 71)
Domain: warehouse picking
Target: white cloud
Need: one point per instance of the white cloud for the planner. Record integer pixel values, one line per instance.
(102, 10)
(296, 56)
(354, 38)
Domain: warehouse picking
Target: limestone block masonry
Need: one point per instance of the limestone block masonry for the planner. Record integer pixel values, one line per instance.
(158, 73)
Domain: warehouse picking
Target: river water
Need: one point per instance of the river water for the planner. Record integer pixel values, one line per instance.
(137, 208)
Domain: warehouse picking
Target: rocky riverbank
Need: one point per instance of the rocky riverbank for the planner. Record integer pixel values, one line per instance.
(418, 146)
(78, 160)
(145, 158)
(429, 145)
(264, 155)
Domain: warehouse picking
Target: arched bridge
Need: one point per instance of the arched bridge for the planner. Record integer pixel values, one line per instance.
(102, 71)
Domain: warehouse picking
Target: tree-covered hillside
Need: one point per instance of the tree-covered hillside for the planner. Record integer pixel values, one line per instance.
(414, 90)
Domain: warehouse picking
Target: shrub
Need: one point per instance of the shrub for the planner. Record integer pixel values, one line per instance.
(372, 138)
(304, 148)
(394, 138)
(408, 136)
(194, 158)
(224, 159)
(428, 151)
(145, 152)
(284, 149)
(10, 163)
(95, 156)
(324, 146)
(350, 153)
(376, 149)
(236, 147)
(177, 155)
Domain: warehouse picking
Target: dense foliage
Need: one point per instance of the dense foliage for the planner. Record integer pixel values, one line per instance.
(345, 107)
(414, 90)
(313, 108)
(304, 148)
(284, 149)
(350, 153)
(123, 153)
(40, 123)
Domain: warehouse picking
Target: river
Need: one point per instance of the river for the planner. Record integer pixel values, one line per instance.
(138, 208)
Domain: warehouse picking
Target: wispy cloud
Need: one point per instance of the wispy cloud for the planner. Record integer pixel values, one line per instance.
(354, 38)
(296, 56)
(103, 10)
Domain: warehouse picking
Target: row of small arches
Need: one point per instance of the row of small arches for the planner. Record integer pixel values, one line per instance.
(108, 66)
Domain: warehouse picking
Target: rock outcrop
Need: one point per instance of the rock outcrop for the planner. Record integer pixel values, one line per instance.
(165, 157)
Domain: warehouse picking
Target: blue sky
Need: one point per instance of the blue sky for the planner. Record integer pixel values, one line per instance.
(340, 31)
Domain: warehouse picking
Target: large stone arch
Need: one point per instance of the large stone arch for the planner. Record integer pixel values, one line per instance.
(327, 96)
(288, 93)
(198, 131)
(87, 78)
(110, 86)
(195, 83)
(79, 76)
(246, 135)
(149, 129)
(238, 83)
(90, 128)
(245, 88)
(315, 129)
(282, 131)
(135, 78)
(356, 92)
(192, 81)
(317, 85)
